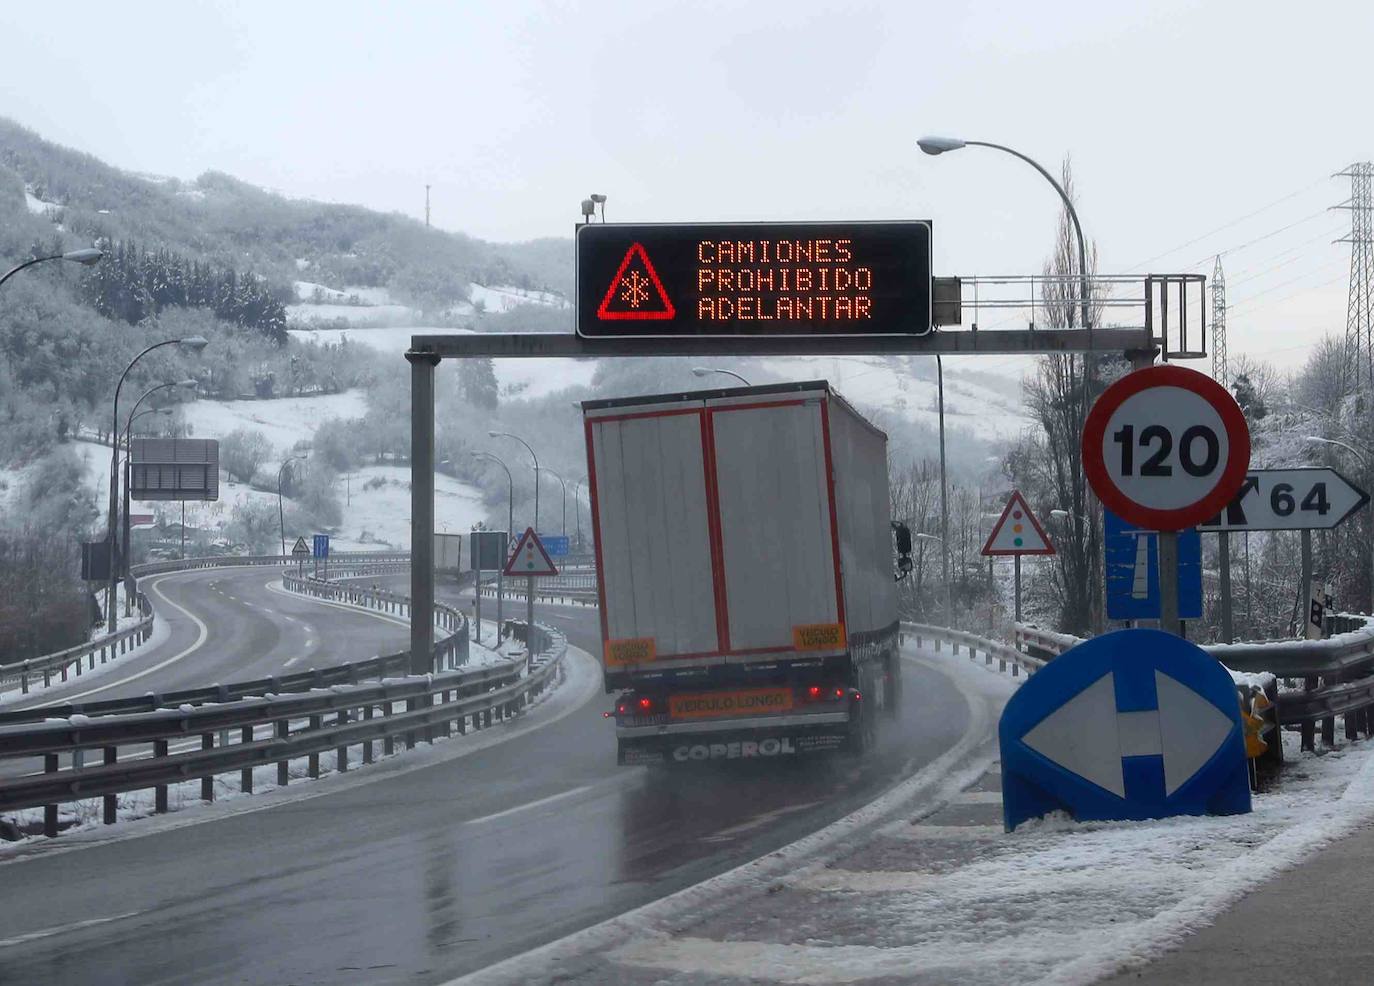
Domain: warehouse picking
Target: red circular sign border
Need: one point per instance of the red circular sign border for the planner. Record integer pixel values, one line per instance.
(1179, 518)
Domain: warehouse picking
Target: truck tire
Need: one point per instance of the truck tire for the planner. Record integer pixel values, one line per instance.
(863, 735)
(892, 693)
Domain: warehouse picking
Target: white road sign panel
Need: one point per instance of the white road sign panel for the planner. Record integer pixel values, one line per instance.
(1017, 531)
(1289, 500)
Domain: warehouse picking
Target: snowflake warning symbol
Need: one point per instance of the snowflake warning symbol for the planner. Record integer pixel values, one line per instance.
(635, 291)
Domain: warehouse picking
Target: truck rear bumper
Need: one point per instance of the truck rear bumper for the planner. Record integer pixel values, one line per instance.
(733, 739)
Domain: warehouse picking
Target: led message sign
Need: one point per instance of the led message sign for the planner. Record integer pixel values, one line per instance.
(741, 279)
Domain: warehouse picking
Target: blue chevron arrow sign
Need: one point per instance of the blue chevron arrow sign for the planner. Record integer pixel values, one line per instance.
(1130, 725)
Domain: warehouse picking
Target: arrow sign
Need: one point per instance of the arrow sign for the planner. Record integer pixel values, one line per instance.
(1289, 500)
(1131, 725)
(1017, 531)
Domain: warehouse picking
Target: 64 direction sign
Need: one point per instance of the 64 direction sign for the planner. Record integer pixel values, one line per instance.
(1289, 500)
(1165, 448)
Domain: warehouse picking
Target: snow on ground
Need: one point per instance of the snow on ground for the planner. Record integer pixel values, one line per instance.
(936, 892)
(36, 205)
(375, 500)
(379, 514)
(284, 421)
(986, 409)
(370, 314)
(502, 298)
(527, 377)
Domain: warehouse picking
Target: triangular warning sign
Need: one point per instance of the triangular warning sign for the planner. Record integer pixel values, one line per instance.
(1017, 532)
(635, 291)
(529, 557)
(300, 547)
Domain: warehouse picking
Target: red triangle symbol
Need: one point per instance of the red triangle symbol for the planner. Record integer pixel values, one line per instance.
(635, 291)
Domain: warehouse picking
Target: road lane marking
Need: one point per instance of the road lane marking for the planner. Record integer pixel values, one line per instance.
(525, 807)
(579, 691)
(63, 929)
(202, 634)
(276, 587)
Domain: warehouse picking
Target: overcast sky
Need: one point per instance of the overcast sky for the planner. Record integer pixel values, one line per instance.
(1180, 118)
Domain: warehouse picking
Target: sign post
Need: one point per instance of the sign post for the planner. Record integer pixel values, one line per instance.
(300, 551)
(530, 560)
(487, 552)
(1016, 533)
(1166, 448)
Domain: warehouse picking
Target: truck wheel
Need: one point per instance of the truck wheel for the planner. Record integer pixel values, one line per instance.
(892, 693)
(863, 728)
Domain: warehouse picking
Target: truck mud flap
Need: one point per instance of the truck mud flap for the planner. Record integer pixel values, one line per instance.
(674, 750)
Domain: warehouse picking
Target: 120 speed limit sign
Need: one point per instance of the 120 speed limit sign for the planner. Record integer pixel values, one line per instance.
(1165, 448)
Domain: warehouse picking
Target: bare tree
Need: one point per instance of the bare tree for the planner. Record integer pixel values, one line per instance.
(1059, 396)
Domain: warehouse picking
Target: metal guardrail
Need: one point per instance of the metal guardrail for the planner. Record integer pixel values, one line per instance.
(550, 593)
(1006, 655)
(272, 725)
(83, 656)
(451, 651)
(1337, 677)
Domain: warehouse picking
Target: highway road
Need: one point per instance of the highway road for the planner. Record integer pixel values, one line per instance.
(417, 877)
(230, 624)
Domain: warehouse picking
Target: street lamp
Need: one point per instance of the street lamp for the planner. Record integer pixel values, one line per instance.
(702, 371)
(1363, 456)
(941, 145)
(510, 490)
(577, 509)
(506, 434)
(192, 343)
(564, 484)
(281, 514)
(86, 257)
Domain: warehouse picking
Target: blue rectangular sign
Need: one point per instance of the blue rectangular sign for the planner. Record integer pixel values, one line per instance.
(555, 544)
(321, 546)
(1132, 570)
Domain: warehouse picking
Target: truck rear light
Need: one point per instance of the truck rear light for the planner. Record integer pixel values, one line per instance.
(645, 704)
(814, 692)
(622, 708)
(839, 693)
(857, 696)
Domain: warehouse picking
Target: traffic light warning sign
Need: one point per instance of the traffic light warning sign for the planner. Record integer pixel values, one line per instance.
(636, 291)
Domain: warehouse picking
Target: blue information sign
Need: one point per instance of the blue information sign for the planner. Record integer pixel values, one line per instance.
(555, 544)
(1131, 725)
(321, 546)
(1132, 570)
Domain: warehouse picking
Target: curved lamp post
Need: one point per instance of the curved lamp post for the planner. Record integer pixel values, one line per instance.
(564, 484)
(86, 257)
(942, 145)
(281, 513)
(506, 434)
(510, 490)
(702, 371)
(191, 343)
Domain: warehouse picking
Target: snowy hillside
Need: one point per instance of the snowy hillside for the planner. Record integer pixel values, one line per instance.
(374, 307)
(375, 499)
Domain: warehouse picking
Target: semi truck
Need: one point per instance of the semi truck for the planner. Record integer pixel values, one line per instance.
(744, 571)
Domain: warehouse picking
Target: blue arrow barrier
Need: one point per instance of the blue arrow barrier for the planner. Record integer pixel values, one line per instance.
(1132, 725)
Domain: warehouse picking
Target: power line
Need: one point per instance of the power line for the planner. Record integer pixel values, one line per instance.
(1226, 226)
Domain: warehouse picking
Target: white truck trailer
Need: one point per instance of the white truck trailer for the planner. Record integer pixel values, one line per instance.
(744, 572)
